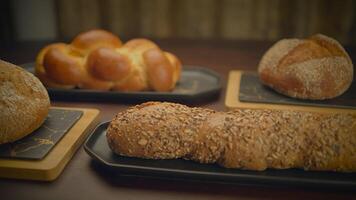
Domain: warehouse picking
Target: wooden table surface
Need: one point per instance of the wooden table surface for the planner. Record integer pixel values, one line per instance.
(86, 179)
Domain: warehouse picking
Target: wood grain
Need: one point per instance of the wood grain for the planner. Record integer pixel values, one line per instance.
(52, 165)
(233, 90)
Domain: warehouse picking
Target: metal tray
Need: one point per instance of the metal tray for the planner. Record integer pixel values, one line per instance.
(195, 85)
(96, 146)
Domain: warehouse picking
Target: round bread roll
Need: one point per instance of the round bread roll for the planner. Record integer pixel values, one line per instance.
(24, 103)
(314, 68)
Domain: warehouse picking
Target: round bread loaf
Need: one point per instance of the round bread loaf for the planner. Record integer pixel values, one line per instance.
(24, 103)
(314, 68)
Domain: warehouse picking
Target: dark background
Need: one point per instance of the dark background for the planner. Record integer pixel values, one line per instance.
(29, 20)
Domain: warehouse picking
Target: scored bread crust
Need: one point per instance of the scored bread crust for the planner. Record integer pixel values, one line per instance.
(97, 59)
(314, 68)
(24, 103)
(246, 139)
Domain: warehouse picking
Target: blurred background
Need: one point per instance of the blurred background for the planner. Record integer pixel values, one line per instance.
(30, 20)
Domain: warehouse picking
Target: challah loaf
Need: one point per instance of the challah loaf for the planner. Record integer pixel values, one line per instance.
(314, 68)
(246, 139)
(24, 103)
(98, 60)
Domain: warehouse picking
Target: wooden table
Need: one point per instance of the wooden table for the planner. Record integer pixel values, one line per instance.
(86, 179)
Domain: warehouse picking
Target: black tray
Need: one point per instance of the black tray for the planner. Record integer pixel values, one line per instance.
(96, 146)
(196, 84)
(39, 143)
(252, 90)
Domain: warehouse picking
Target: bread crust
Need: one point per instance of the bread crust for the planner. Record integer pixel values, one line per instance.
(97, 60)
(87, 41)
(245, 139)
(314, 68)
(24, 103)
(159, 70)
(108, 65)
(61, 67)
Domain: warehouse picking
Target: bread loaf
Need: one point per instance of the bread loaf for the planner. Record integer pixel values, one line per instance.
(98, 60)
(314, 68)
(24, 103)
(245, 139)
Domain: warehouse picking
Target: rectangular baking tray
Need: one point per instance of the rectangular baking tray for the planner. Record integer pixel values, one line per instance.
(96, 146)
(196, 84)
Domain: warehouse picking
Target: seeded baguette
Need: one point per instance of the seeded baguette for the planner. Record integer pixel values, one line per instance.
(245, 139)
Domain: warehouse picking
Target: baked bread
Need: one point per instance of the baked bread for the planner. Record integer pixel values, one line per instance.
(98, 60)
(314, 68)
(24, 103)
(246, 139)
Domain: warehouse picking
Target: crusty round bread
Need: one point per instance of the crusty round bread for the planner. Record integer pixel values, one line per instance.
(24, 103)
(97, 60)
(314, 68)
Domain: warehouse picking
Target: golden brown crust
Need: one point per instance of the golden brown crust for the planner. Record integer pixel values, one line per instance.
(97, 60)
(159, 70)
(24, 103)
(139, 44)
(40, 71)
(246, 139)
(134, 82)
(61, 67)
(176, 64)
(314, 68)
(90, 82)
(108, 65)
(87, 41)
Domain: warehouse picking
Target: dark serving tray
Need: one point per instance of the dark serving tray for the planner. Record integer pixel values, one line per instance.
(196, 84)
(96, 146)
(39, 143)
(252, 90)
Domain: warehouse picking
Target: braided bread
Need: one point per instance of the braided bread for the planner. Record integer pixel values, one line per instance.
(98, 60)
(314, 68)
(246, 139)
